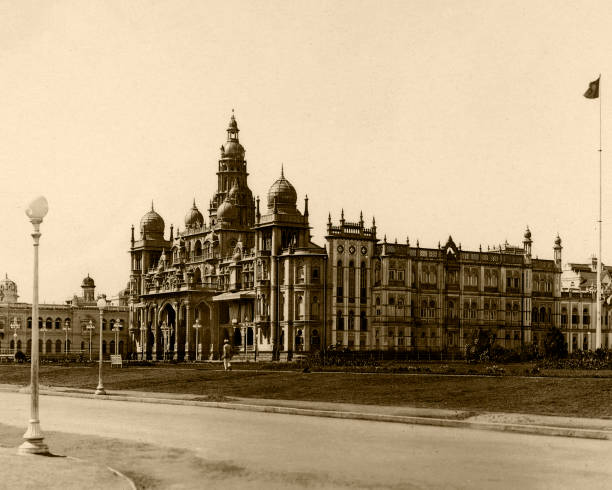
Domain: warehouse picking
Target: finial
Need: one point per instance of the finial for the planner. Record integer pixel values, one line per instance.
(396, 240)
(373, 220)
(342, 214)
(407, 240)
(152, 209)
(480, 247)
(417, 242)
(385, 238)
(194, 205)
(439, 244)
(329, 217)
(171, 232)
(282, 171)
(306, 205)
(132, 234)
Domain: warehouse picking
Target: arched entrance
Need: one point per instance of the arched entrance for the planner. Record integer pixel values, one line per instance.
(201, 313)
(166, 336)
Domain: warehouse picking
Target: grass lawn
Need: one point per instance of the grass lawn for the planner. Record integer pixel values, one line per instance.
(555, 395)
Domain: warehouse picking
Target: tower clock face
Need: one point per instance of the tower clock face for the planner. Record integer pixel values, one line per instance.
(352, 249)
(364, 250)
(340, 249)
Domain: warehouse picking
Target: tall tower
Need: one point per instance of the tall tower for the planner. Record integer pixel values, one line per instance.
(233, 193)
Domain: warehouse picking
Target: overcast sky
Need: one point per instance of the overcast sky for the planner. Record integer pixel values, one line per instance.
(462, 118)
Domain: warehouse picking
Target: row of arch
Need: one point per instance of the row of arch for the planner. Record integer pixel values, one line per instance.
(50, 324)
(61, 346)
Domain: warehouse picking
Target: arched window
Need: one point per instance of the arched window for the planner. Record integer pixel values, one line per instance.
(534, 315)
(198, 248)
(68, 322)
(564, 316)
(542, 314)
(351, 320)
(494, 279)
(351, 284)
(585, 316)
(424, 309)
(104, 347)
(299, 275)
(363, 284)
(473, 310)
(339, 282)
(466, 309)
(432, 309)
(58, 346)
(574, 316)
(49, 346)
(197, 275)
(487, 279)
(58, 323)
(49, 323)
(40, 322)
(339, 321)
(450, 310)
(29, 322)
(104, 324)
(299, 307)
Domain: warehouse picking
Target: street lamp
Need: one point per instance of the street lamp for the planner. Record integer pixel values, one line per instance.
(116, 329)
(66, 329)
(101, 305)
(197, 327)
(165, 328)
(90, 326)
(33, 443)
(143, 339)
(14, 327)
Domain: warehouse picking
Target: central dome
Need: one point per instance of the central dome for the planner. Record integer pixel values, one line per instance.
(283, 193)
(152, 223)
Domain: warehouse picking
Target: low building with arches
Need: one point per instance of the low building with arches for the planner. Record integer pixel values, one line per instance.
(63, 328)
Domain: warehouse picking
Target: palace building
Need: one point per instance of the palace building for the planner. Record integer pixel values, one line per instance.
(249, 272)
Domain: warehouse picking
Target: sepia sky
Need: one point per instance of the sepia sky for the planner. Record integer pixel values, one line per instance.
(437, 117)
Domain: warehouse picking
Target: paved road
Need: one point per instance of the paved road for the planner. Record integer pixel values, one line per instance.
(331, 453)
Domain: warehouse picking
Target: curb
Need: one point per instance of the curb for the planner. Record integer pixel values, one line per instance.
(532, 429)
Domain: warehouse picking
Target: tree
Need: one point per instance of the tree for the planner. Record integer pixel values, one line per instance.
(555, 346)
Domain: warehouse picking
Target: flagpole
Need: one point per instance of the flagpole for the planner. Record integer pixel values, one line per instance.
(599, 259)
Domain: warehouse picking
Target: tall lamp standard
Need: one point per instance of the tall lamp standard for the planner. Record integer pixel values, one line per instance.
(66, 329)
(33, 443)
(165, 328)
(101, 305)
(116, 329)
(197, 327)
(90, 326)
(14, 327)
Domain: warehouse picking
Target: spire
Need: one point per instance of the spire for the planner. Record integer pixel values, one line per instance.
(172, 228)
(329, 218)
(306, 206)
(342, 217)
(152, 208)
(132, 239)
(361, 219)
(258, 214)
(282, 171)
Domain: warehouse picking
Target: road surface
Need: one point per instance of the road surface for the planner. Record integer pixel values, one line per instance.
(331, 453)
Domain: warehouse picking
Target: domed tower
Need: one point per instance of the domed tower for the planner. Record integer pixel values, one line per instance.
(8, 291)
(232, 181)
(146, 251)
(89, 287)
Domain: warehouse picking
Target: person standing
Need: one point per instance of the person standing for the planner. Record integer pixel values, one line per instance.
(227, 355)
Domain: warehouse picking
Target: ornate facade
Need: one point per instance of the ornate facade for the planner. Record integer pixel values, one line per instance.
(250, 273)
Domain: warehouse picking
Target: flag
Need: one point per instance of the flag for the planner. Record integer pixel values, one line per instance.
(593, 91)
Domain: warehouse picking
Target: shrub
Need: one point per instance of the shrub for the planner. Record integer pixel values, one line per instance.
(555, 346)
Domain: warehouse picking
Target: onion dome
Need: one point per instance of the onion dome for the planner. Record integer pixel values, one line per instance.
(283, 194)
(88, 282)
(558, 241)
(152, 223)
(193, 218)
(527, 234)
(226, 211)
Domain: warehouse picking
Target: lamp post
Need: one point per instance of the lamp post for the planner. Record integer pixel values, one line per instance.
(116, 329)
(90, 326)
(132, 329)
(143, 337)
(165, 328)
(101, 305)
(197, 327)
(14, 327)
(66, 329)
(33, 443)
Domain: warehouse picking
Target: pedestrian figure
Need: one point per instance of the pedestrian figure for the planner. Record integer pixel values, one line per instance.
(227, 355)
